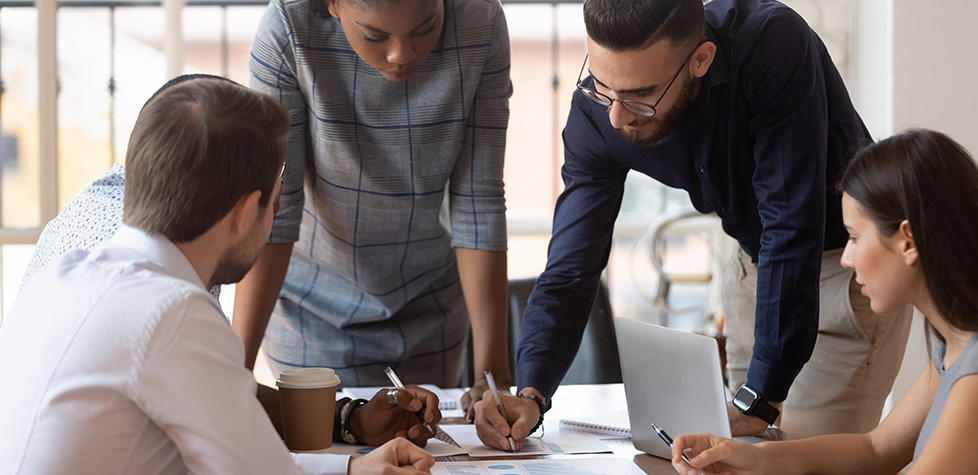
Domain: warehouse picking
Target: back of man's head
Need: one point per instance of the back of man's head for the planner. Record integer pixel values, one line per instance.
(624, 25)
(199, 146)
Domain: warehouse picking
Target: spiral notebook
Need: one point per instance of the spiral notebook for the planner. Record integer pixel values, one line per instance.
(611, 425)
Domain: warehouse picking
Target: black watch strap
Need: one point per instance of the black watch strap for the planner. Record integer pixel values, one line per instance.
(765, 411)
(750, 402)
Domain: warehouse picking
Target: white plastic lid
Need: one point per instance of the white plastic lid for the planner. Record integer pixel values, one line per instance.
(307, 378)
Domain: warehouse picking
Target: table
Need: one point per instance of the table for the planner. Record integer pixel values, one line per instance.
(592, 400)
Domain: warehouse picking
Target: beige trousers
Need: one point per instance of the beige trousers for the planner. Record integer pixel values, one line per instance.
(856, 358)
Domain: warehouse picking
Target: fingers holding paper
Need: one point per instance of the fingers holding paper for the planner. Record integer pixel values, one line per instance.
(521, 415)
(397, 456)
(716, 455)
(379, 421)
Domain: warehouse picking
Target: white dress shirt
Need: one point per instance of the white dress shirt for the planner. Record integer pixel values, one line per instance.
(121, 362)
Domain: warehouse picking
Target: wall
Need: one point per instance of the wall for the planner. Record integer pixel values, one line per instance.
(935, 68)
(916, 65)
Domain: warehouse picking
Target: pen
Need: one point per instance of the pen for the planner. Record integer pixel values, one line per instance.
(499, 404)
(397, 384)
(668, 440)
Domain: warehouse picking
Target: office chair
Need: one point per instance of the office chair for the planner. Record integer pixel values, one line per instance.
(597, 359)
(690, 223)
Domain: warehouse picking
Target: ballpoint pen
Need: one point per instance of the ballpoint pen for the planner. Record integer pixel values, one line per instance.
(499, 405)
(668, 440)
(397, 384)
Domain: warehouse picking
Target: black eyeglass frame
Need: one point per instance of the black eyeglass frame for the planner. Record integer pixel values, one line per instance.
(643, 109)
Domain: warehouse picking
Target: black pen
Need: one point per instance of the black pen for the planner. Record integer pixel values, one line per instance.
(668, 440)
(397, 384)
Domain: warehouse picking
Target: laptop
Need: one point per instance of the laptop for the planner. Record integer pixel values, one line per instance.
(672, 378)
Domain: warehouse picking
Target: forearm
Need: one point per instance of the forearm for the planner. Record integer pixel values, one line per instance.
(485, 286)
(552, 327)
(255, 297)
(785, 333)
(837, 453)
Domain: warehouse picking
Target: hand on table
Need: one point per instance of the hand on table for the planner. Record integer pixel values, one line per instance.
(476, 392)
(397, 456)
(713, 454)
(745, 425)
(378, 422)
(521, 415)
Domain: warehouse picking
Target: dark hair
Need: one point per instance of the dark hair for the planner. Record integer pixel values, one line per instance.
(320, 8)
(623, 25)
(928, 179)
(196, 149)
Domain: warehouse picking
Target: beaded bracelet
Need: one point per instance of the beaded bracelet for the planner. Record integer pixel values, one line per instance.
(540, 405)
(345, 433)
(337, 417)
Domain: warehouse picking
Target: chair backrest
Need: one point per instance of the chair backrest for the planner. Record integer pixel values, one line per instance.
(597, 359)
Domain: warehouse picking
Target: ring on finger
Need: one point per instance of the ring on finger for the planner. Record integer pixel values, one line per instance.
(392, 397)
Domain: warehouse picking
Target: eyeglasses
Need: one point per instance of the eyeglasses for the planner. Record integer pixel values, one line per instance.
(281, 180)
(640, 108)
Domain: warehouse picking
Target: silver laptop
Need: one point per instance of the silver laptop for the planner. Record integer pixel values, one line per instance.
(671, 378)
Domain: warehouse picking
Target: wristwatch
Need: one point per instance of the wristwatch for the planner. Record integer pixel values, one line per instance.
(750, 402)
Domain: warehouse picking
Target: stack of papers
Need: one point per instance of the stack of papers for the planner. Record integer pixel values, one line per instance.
(434, 447)
(553, 443)
(557, 442)
(468, 440)
(576, 466)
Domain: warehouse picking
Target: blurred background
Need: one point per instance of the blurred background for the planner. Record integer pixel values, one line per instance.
(74, 73)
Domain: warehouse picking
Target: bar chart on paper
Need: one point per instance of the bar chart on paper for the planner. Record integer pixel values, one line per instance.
(564, 466)
(557, 443)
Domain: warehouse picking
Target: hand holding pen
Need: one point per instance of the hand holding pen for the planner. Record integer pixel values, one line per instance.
(668, 440)
(392, 398)
(379, 421)
(499, 405)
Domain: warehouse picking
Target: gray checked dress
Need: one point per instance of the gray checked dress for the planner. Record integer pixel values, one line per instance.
(383, 180)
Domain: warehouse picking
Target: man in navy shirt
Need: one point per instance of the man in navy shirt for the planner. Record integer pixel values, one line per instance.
(743, 108)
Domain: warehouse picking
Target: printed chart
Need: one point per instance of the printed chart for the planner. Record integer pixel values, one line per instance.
(552, 443)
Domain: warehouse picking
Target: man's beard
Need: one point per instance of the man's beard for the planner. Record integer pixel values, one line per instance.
(663, 124)
(236, 261)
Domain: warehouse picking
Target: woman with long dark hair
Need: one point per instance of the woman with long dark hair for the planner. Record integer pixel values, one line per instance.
(910, 205)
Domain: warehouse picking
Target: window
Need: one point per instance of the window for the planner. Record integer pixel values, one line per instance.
(111, 56)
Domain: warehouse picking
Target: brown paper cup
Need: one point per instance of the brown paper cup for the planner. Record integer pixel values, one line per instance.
(308, 401)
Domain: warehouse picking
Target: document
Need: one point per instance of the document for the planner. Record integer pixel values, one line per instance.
(572, 466)
(552, 443)
(434, 447)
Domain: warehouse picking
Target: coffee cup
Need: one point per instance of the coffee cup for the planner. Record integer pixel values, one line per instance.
(308, 402)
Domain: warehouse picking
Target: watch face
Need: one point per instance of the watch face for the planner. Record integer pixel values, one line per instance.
(744, 399)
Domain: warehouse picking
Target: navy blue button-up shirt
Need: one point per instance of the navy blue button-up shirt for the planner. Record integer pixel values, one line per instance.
(762, 145)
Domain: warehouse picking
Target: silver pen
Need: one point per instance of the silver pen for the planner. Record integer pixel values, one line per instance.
(499, 405)
(397, 384)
